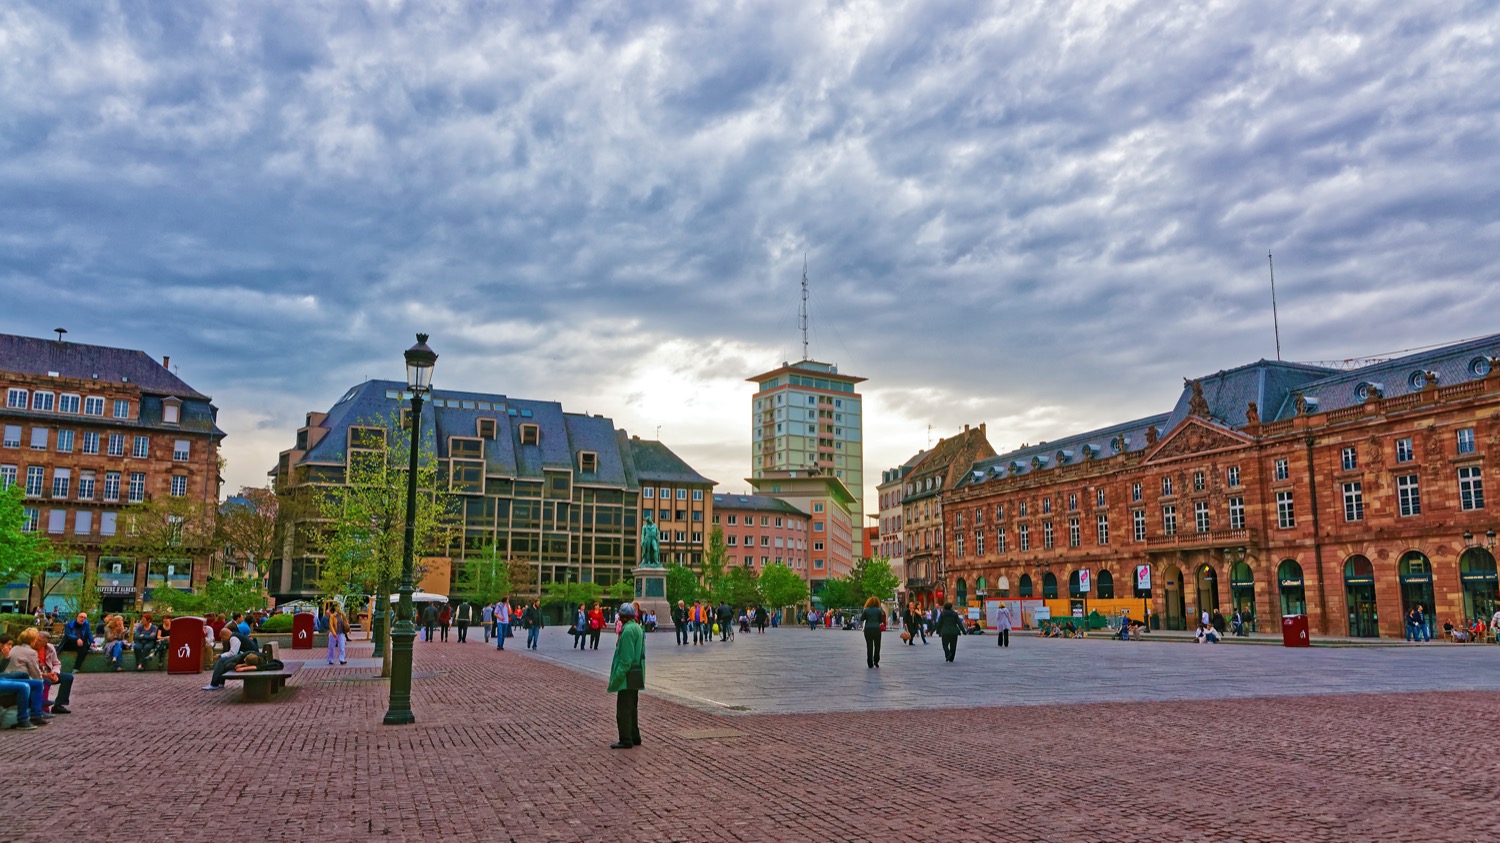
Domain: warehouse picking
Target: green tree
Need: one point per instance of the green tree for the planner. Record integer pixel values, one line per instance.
(780, 586)
(365, 517)
(682, 584)
(839, 592)
(739, 588)
(485, 578)
(246, 529)
(621, 591)
(363, 520)
(164, 532)
(873, 577)
(570, 594)
(713, 565)
(24, 556)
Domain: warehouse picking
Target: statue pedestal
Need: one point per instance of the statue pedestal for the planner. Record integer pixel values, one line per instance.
(651, 593)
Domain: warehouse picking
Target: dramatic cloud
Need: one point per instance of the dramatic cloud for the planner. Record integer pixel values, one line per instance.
(1036, 215)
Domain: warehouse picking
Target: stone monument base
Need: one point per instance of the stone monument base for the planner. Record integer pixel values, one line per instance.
(651, 593)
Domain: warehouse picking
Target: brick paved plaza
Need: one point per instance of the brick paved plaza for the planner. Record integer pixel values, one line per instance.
(788, 736)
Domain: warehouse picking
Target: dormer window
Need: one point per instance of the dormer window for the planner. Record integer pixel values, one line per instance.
(171, 411)
(487, 428)
(588, 462)
(531, 434)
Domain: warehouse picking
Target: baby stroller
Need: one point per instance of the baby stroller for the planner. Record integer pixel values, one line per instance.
(744, 623)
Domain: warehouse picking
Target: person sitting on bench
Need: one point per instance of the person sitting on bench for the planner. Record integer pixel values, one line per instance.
(237, 646)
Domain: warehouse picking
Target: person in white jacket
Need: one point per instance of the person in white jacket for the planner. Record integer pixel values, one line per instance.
(1002, 627)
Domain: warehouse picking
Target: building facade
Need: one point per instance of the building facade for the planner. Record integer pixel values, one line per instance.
(760, 530)
(937, 473)
(90, 431)
(564, 492)
(828, 504)
(679, 500)
(893, 520)
(1349, 496)
(805, 416)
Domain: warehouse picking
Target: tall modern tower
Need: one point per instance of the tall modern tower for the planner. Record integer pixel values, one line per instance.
(807, 418)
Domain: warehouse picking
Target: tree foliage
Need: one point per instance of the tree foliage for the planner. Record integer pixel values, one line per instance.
(23, 556)
(485, 578)
(682, 584)
(839, 592)
(780, 586)
(164, 528)
(247, 528)
(224, 595)
(873, 577)
(365, 517)
(569, 594)
(713, 564)
(738, 587)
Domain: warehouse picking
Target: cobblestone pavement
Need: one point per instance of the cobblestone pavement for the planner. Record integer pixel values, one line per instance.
(513, 747)
(770, 673)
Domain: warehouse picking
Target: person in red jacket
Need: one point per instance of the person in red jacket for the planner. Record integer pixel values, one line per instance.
(596, 625)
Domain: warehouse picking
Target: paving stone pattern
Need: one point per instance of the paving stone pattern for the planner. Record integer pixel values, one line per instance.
(513, 747)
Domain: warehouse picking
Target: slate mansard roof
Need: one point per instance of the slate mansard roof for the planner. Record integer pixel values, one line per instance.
(621, 460)
(103, 365)
(43, 357)
(1095, 443)
(653, 462)
(1273, 386)
(758, 503)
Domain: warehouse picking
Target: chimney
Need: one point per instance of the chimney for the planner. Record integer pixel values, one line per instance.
(966, 428)
(166, 362)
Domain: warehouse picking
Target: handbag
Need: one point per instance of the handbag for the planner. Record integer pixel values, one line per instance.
(635, 678)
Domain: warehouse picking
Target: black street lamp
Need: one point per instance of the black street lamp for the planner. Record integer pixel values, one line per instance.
(419, 364)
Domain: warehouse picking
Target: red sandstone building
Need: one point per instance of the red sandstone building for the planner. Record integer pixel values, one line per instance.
(89, 431)
(760, 530)
(1271, 489)
(932, 476)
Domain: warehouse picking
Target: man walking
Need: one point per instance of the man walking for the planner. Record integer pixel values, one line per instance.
(429, 620)
(531, 621)
(463, 617)
(949, 627)
(679, 621)
(486, 619)
(695, 619)
(502, 623)
(726, 617)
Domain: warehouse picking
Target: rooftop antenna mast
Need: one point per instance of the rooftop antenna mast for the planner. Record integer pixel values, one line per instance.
(1274, 321)
(803, 313)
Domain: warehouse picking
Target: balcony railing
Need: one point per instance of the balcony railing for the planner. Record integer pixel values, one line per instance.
(1212, 538)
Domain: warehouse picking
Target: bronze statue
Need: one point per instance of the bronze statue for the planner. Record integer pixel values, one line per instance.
(650, 547)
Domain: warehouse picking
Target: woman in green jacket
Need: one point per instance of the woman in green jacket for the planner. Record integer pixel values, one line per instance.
(630, 653)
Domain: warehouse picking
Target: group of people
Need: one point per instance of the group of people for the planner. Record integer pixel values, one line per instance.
(1474, 632)
(704, 622)
(30, 668)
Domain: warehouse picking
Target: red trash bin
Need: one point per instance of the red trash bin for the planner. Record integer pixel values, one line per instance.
(186, 643)
(302, 631)
(1294, 631)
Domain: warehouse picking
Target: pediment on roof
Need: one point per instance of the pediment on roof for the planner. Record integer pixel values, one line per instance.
(1196, 436)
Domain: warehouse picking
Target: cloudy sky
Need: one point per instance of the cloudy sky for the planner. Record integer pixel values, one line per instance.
(1037, 215)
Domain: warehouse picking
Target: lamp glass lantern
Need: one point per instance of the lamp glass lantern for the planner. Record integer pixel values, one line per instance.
(420, 361)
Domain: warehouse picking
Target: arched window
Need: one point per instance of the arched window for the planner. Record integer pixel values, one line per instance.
(1049, 586)
(1025, 588)
(963, 592)
(1104, 584)
(1290, 584)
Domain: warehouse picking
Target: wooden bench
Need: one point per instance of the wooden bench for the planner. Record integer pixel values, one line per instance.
(261, 685)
